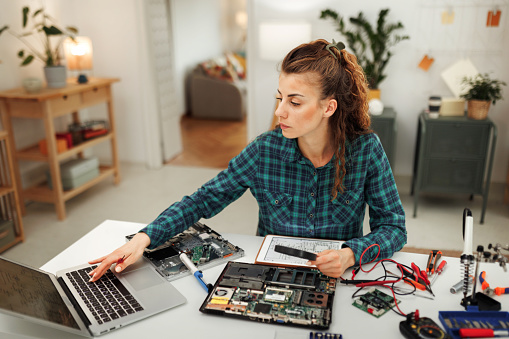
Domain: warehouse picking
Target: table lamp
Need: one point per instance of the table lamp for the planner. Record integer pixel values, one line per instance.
(78, 53)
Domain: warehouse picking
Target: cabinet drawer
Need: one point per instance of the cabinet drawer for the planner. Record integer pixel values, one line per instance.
(95, 95)
(458, 140)
(64, 104)
(452, 175)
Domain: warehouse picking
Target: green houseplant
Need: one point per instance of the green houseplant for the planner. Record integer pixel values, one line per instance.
(481, 91)
(43, 41)
(371, 45)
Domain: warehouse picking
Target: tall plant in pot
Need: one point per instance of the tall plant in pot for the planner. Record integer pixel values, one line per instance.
(370, 44)
(43, 40)
(481, 91)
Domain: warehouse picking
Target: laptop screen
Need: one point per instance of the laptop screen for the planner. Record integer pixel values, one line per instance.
(29, 292)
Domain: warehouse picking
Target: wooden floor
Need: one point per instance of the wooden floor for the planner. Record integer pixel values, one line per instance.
(210, 143)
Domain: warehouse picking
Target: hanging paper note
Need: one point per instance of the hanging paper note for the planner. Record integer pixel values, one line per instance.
(493, 19)
(426, 63)
(447, 17)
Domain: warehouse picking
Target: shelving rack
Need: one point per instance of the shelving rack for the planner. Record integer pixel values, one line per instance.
(47, 105)
(9, 199)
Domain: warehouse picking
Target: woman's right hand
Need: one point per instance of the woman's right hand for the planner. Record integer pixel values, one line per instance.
(123, 256)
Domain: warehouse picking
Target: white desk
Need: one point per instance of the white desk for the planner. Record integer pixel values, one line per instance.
(187, 321)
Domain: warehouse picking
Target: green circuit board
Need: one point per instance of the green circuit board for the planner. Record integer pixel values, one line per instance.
(290, 296)
(204, 246)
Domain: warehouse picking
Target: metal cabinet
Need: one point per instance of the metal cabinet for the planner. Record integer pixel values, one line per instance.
(453, 155)
(384, 126)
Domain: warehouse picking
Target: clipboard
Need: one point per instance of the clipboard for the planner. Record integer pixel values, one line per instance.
(267, 256)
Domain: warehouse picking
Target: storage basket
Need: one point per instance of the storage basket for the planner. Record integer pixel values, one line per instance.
(478, 109)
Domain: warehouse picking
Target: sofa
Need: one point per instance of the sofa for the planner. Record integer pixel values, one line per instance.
(218, 89)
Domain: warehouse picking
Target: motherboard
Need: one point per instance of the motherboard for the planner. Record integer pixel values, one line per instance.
(293, 296)
(204, 246)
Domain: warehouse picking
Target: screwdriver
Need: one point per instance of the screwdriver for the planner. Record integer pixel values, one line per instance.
(438, 271)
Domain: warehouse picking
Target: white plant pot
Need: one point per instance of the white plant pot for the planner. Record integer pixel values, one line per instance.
(56, 76)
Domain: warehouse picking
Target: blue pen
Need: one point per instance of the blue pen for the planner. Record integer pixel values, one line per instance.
(190, 265)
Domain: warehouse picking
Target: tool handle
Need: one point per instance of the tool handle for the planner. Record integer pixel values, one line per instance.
(429, 265)
(476, 333)
(440, 267)
(482, 333)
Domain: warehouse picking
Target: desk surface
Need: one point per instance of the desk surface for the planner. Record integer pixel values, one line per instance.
(187, 321)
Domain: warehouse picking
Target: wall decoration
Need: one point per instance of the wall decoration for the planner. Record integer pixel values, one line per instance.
(493, 18)
(426, 63)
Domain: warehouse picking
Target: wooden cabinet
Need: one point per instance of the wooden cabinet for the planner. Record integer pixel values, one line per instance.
(453, 155)
(11, 224)
(46, 106)
(384, 126)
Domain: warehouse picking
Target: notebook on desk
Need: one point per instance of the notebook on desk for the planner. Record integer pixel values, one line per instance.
(67, 301)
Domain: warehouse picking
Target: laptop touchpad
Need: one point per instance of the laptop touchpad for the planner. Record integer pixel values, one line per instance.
(142, 278)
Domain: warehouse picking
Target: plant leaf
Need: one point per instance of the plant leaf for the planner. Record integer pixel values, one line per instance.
(4, 28)
(37, 12)
(27, 60)
(52, 30)
(25, 16)
(72, 29)
(21, 53)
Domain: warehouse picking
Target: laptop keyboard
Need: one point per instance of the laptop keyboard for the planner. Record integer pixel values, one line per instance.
(107, 298)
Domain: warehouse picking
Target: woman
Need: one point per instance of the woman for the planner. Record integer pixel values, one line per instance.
(312, 176)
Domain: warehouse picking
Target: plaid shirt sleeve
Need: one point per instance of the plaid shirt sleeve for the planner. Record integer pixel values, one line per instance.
(387, 217)
(208, 200)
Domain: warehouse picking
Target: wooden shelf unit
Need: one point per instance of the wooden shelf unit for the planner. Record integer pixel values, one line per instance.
(9, 199)
(47, 105)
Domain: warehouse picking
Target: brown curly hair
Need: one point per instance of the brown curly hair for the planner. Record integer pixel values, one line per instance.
(341, 79)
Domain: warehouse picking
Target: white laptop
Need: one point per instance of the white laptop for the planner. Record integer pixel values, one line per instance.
(70, 303)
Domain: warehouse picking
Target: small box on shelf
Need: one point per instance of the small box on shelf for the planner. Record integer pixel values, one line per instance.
(77, 172)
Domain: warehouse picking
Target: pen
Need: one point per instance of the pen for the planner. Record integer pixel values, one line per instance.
(190, 265)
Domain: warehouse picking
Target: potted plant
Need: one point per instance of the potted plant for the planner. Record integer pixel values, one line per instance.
(481, 92)
(43, 40)
(371, 45)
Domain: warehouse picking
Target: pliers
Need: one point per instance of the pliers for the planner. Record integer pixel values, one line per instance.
(417, 278)
(488, 290)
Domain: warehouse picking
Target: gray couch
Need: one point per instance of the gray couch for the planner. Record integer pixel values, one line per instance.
(213, 98)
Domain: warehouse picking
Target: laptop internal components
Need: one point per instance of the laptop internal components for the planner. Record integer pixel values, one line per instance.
(204, 246)
(297, 296)
(375, 302)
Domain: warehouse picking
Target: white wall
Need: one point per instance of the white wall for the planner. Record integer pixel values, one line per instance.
(406, 88)
(197, 29)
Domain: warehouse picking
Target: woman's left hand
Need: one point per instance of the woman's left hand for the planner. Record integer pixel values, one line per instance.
(334, 262)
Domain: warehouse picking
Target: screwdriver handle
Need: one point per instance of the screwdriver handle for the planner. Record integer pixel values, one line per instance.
(441, 267)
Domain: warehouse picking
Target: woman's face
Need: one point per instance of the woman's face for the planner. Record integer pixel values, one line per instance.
(301, 113)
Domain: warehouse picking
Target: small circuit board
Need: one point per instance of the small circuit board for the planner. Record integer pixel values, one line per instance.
(292, 296)
(375, 302)
(204, 246)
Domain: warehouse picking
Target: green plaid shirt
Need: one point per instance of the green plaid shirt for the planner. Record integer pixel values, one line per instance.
(294, 197)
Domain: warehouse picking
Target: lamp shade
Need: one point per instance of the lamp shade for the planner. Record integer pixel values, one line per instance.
(78, 53)
(277, 39)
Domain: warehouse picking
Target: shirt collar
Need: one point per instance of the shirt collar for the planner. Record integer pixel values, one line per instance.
(290, 151)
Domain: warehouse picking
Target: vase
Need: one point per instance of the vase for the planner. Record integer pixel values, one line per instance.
(374, 94)
(32, 85)
(478, 109)
(56, 76)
